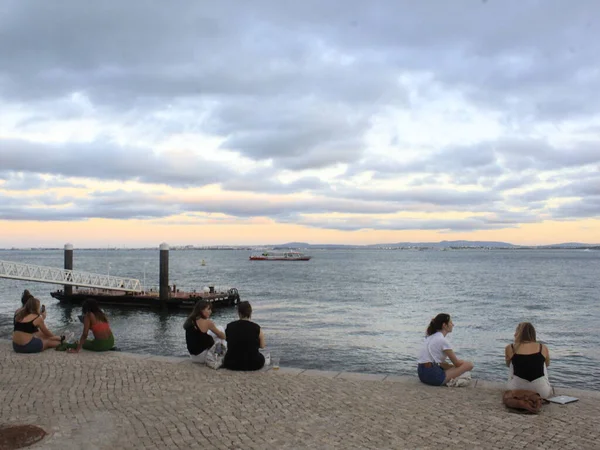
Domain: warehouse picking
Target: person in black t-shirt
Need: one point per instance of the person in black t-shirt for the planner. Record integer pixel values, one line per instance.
(244, 338)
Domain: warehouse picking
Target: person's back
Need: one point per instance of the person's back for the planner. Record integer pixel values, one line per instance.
(244, 338)
(528, 365)
(197, 341)
(527, 360)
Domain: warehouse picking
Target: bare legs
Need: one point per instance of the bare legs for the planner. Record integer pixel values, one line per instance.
(457, 371)
(50, 342)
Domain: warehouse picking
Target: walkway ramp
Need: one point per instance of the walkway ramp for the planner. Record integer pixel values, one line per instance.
(53, 275)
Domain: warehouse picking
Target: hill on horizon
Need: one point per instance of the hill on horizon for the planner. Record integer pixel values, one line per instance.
(441, 244)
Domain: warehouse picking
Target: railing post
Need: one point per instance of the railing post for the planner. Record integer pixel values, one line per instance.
(164, 274)
(68, 266)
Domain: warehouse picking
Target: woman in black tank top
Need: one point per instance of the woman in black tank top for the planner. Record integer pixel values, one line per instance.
(197, 327)
(528, 360)
(30, 334)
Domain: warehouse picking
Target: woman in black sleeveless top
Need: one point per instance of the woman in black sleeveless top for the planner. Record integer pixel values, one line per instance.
(528, 360)
(199, 330)
(244, 338)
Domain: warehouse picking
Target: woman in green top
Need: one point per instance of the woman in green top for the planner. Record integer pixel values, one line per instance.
(94, 319)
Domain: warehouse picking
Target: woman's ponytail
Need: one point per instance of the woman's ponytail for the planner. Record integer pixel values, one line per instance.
(437, 323)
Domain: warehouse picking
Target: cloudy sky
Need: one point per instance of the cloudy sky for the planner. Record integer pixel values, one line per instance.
(263, 121)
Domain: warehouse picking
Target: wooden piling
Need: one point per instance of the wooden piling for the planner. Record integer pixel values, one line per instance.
(68, 266)
(164, 290)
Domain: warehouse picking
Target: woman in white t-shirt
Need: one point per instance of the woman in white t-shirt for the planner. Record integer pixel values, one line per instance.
(433, 368)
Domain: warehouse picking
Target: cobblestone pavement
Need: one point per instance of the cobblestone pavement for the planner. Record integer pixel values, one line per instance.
(118, 400)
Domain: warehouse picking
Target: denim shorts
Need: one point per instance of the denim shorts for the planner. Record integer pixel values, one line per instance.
(434, 375)
(35, 345)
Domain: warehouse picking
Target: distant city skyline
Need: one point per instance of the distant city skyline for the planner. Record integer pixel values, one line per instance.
(341, 122)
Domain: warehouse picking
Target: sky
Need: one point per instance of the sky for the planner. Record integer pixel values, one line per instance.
(352, 122)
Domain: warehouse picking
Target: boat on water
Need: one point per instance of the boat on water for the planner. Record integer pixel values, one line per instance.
(280, 256)
(150, 299)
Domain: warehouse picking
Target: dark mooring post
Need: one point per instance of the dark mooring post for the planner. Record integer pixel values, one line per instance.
(164, 274)
(68, 266)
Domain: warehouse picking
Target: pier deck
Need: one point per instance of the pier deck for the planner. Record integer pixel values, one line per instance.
(121, 400)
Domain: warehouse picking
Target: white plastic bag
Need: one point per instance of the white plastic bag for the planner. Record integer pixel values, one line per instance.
(216, 355)
(462, 381)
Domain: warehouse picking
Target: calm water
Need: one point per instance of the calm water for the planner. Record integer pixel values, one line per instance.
(362, 310)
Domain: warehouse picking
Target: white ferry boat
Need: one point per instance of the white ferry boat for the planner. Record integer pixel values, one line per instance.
(280, 256)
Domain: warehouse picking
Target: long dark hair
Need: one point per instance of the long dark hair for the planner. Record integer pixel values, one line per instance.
(525, 333)
(91, 306)
(197, 313)
(26, 296)
(32, 306)
(437, 323)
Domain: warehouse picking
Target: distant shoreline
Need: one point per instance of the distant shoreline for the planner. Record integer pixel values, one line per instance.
(313, 247)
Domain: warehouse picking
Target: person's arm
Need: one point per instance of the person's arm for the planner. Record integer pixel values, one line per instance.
(546, 354)
(39, 322)
(452, 356)
(261, 339)
(87, 322)
(212, 327)
(508, 354)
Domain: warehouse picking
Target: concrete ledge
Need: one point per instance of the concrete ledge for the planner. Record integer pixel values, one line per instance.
(576, 392)
(320, 373)
(402, 379)
(354, 376)
(360, 376)
(168, 359)
(289, 371)
(495, 385)
(129, 355)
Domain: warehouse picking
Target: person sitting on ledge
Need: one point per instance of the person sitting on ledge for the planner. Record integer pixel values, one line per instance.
(200, 331)
(94, 319)
(30, 333)
(244, 338)
(433, 368)
(527, 361)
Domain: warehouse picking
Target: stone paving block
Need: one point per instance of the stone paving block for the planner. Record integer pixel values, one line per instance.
(168, 359)
(402, 379)
(492, 385)
(361, 376)
(129, 355)
(288, 371)
(320, 373)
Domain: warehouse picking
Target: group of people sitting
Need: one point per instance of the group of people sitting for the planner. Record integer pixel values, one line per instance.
(243, 337)
(31, 335)
(526, 358)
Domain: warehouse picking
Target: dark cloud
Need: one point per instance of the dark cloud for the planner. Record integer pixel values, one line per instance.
(262, 181)
(458, 225)
(425, 195)
(110, 161)
(19, 181)
(578, 209)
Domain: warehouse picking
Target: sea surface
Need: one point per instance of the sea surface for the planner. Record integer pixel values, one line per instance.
(360, 310)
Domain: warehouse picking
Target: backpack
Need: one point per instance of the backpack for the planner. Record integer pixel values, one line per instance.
(216, 355)
(523, 400)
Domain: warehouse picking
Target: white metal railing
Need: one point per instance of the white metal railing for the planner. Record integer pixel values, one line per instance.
(53, 275)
